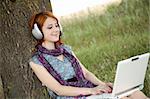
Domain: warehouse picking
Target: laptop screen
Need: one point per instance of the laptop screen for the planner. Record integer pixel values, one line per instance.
(130, 74)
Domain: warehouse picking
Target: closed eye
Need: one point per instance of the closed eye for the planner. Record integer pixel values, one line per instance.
(49, 27)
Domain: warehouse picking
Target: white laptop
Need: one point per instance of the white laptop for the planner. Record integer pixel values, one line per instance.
(129, 77)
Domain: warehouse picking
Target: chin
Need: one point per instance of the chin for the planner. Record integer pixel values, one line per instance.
(55, 40)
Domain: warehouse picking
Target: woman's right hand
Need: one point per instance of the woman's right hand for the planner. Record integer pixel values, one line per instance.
(100, 89)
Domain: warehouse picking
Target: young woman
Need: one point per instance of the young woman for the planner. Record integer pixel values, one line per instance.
(58, 68)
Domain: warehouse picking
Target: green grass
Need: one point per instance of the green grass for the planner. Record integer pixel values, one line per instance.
(100, 41)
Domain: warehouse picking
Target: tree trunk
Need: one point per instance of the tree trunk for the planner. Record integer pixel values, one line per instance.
(16, 43)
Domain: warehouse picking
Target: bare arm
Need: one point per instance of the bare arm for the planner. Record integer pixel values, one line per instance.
(104, 87)
(55, 86)
(88, 75)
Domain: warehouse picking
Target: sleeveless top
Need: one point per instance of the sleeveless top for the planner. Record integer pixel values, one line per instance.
(64, 68)
(66, 71)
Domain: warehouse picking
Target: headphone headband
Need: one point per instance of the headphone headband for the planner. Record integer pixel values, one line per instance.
(38, 34)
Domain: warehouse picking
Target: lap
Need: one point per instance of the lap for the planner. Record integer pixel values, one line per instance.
(135, 95)
(138, 95)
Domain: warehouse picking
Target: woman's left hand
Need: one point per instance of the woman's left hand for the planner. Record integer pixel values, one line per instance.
(109, 84)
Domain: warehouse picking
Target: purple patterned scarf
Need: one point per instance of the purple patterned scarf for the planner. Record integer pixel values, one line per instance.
(79, 81)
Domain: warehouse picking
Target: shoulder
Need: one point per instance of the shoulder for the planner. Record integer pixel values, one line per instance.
(34, 59)
(67, 47)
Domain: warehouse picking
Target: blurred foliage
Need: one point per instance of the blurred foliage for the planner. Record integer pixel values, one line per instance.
(101, 40)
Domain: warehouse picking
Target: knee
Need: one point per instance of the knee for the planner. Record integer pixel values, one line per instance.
(138, 95)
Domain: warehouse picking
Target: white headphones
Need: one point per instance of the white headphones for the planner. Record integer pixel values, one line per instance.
(38, 34)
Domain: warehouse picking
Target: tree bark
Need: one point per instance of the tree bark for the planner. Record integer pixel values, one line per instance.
(16, 44)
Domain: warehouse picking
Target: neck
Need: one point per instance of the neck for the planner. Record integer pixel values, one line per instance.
(48, 45)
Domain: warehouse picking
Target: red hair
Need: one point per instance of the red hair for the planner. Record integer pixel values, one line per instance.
(40, 19)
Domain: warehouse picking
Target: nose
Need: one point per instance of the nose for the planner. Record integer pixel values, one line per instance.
(56, 29)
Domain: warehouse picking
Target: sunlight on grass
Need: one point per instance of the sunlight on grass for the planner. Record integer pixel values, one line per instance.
(101, 40)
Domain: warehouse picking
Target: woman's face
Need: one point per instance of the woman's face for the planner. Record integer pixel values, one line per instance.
(51, 30)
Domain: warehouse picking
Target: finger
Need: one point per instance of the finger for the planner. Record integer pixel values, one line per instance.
(104, 90)
(100, 92)
(108, 89)
(110, 85)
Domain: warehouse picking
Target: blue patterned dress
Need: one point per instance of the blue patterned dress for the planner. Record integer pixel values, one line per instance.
(64, 68)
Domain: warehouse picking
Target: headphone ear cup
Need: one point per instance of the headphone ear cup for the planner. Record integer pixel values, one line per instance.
(36, 32)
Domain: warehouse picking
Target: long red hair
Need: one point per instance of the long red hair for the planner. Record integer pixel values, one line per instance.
(40, 19)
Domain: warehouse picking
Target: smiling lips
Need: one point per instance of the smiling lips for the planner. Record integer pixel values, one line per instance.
(54, 34)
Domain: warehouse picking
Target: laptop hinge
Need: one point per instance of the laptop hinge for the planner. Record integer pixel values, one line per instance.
(129, 91)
